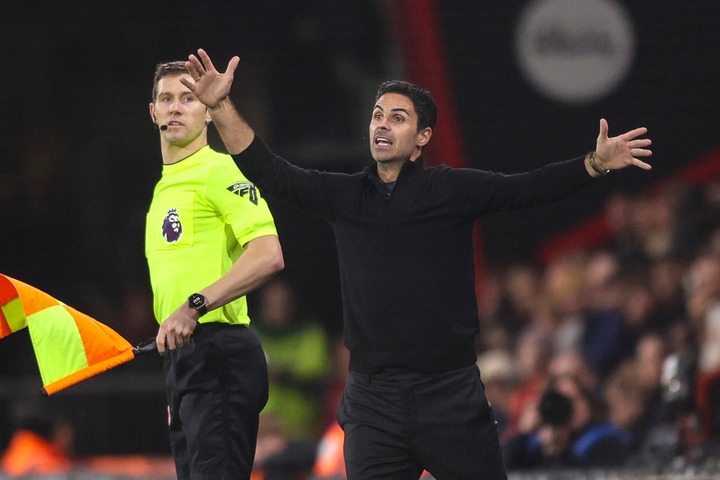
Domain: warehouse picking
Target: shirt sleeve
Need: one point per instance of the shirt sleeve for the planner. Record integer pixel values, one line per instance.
(239, 202)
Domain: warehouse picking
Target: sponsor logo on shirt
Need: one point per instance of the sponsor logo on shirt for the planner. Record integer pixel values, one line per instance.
(245, 188)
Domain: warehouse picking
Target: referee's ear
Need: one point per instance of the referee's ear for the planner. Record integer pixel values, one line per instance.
(151, 108)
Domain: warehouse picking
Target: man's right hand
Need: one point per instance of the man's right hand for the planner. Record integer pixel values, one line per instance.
(176, 330)
(210, 86)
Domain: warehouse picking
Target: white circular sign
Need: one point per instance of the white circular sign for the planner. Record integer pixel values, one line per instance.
(575, 51)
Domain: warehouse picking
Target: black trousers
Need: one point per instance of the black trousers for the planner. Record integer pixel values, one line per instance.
(216, 388)
(399, 422)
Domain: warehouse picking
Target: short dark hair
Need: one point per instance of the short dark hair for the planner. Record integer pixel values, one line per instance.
(423, 102)
(167, 69)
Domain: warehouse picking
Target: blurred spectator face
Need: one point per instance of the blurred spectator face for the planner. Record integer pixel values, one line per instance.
(666, 278)
(702, 287)
(618, 214)
(625, 396)
(659, 223)
(277, 304)
(565, 283)
(601, 267)
(602, 289)
(573, 364)
(522, 284)
(638, 304)
(650, 356)
(533, 353)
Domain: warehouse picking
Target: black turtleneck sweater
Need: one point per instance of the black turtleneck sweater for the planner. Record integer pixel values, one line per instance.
(406, 256)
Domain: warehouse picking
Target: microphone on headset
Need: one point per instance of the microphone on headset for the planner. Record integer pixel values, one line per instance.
(162, 127)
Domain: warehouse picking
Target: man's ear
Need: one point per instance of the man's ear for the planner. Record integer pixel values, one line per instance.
(208, 118)
(424, 136)
(152, 113)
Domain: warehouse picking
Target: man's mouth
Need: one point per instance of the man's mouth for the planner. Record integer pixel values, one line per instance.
(382, 142)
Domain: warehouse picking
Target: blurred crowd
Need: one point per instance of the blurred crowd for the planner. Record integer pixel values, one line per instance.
(610, 356)
(604, 357)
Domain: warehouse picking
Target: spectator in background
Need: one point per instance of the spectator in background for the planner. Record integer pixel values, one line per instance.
(597, 443)
(297, 351)
(337, 379)
(491, 303)
(532, 353)
(572, 363)
(547, 445)
(660, 436)
(522, 286)
(500, 378)
(40, 446)
(627, 402)
(279, 457)
(606, 338)
(625, 240)
(564, 286)
(649, 357)
(702, 291)
(665, 277)
(571, 431)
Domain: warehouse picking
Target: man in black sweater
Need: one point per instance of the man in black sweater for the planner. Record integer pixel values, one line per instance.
(414, 399)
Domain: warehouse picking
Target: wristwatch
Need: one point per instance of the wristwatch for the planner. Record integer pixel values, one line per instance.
(197, 301)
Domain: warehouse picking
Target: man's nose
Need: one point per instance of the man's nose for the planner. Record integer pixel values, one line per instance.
(381, 124)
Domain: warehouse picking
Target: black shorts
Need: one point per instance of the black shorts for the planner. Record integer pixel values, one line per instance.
(216, 388)
(399, 422)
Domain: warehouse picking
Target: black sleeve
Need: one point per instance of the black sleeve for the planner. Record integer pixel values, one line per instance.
(480, 192)
(277, 178)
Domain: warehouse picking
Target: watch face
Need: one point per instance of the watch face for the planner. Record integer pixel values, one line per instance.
(197, 301)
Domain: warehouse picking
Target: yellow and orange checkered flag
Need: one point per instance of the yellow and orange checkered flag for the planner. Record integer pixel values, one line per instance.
(69, 345)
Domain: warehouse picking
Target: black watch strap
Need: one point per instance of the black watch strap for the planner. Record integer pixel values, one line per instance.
(197, 302)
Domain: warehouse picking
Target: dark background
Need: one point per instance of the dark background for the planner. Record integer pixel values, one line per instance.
(79, 157)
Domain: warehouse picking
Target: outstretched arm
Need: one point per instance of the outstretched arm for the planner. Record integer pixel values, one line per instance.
(614, 153)
(212, 89)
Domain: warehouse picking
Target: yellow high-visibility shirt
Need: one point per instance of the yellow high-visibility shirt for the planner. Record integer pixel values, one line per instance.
(203, 212)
